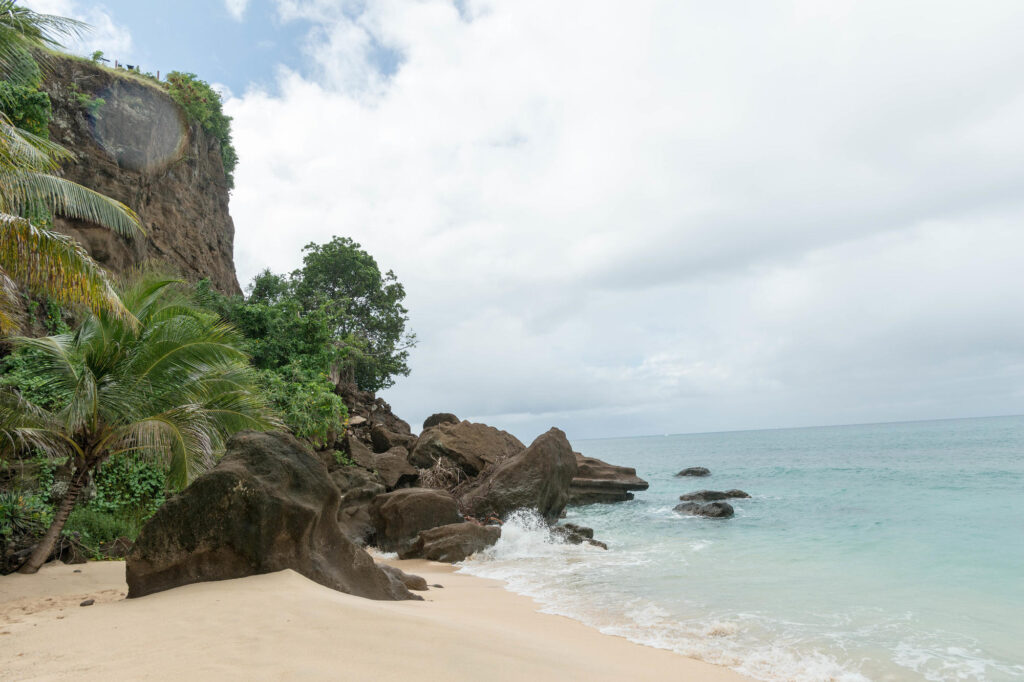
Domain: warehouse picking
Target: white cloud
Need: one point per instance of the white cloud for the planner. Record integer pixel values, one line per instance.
(676, 217)
(105, 34)
(236, 8)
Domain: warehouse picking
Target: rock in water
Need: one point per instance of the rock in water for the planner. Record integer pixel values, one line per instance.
(598, 481)
(537, 478)
(440, 418)
(472, 447)
(268, 505)
(694, 471)
(714, 510)
(451, 543)
(711, 495)
(576, 535)
(399, 516)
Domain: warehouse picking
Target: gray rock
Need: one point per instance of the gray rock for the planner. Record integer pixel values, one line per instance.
(471, 447)
(413, 582)
(712, 495)
(694, 471)
(715, 510)
(598, 481)
(398, 517)
(440, 418)
(451, 543)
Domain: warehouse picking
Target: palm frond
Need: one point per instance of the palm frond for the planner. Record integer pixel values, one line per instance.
(69, 199)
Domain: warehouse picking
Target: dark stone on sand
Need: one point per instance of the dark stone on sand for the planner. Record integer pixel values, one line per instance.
(268, 505)
(451, 543)
(694, 471)
(88, 602)
(413, 582)
(714, 510)
(398, 517)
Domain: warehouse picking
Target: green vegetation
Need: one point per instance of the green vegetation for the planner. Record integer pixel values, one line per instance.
(89, 102)
(203, 105)
(167, 385)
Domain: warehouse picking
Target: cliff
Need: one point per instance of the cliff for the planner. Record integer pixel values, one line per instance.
(139, 148)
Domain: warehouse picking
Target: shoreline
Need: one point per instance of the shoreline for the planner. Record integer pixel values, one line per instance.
(283, 626)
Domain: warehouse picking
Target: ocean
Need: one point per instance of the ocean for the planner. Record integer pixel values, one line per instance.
(869, 552)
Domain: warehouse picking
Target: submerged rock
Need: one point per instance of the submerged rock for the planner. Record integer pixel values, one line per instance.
(576, 535)
(598, 481)
(694, 471)
(451, 543)
(398, 517)
(268, 505)
(714, 510)
(712, 495)
(536, 478)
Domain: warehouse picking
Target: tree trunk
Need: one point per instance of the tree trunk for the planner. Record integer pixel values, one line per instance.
(42, 551)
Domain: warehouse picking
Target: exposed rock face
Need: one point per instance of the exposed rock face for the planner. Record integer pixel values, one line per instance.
(712, 495)
(370, 411)
(472, 447)
(392, 466)
(413, 582)
(451, 543)
(536, 478)
(440, 418)
(140, 149)
(715, 510)
(598, 481)
(694, 471)
(358, 487)
(384, 439)
(399, 516)
(268, 505)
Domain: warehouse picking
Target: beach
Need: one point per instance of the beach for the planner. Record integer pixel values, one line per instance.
(283, 626)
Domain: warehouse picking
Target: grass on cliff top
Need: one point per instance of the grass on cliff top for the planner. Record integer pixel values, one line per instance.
(117, 73)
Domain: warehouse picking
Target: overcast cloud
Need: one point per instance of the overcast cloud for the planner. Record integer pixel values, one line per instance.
(658, 217)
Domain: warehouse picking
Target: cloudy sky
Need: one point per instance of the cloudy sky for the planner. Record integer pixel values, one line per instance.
(642, 218)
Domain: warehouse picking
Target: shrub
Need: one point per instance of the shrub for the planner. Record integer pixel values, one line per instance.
(203, 106)
(23, 514)
(130, 488)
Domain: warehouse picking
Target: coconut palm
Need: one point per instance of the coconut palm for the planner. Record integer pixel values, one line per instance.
(32, 255)
(170, 387)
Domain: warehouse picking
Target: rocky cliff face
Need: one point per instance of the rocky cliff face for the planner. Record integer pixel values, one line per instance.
(139, 148)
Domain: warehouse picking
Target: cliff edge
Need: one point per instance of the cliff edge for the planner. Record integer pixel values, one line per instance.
(139, 148)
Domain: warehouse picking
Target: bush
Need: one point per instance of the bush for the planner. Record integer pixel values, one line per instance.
(132, 489)
(203, 106)
(307, 404)
(23, 371)
(93, 528)
(22, 515)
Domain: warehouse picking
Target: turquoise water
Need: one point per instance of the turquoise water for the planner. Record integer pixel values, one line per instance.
(882, 552)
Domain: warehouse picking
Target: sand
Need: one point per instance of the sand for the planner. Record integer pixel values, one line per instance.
(282, 626)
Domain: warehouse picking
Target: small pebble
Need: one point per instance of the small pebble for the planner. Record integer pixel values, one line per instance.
(88, 602)
(441, 586)
(77, 570)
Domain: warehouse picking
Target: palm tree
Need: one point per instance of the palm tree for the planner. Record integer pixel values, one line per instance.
(32, 255)
(169, 388)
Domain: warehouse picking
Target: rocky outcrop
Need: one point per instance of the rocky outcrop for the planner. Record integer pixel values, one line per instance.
(598, 481)
(392, 466)
(413, 582)
(268, 505)
(451, 543)
(712, 495)
(366, 410)
(472, 447)
(440, 418)
(694, 471)
(140, 149)
(398, 517)
(536, 478)
(358, 487)
(715, 510)
(576, 535)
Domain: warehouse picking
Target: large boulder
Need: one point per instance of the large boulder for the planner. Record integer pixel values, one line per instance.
(714, 510)
(413, 582)
(399, 516)
(451, 543)
(358, 487)
(537, 478)
(392, 466)
(694, 471)
(268, 505)
(440, 418)
(384, 439)
(712, 495)
(598, 481)
(472, 447)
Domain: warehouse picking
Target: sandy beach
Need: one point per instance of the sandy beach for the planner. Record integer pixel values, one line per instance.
(283, 626)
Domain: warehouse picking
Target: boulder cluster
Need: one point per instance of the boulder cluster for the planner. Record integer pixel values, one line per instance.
(707, 503)
(271, 504)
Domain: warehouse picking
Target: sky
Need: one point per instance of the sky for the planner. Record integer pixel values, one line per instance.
(643, 218)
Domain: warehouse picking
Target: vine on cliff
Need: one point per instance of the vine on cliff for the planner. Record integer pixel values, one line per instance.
(203, 106)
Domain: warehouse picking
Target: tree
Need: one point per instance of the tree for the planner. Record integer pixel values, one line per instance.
(170, 388)
(363, 307)
(32, 255)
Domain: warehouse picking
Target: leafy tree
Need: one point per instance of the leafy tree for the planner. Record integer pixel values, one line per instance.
(168, 385)
(32, 255)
